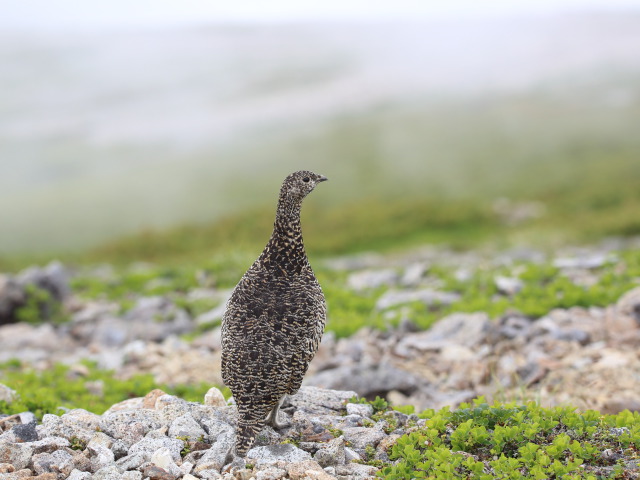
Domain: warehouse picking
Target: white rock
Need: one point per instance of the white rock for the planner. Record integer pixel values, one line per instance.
(508, 285)
(162, 458)
(99, 448)
(413, 274)
(428, 296)
(372, 279)
(6, 394)
(362, 409)
(186, 467)
(586, 261)
(350, 455)
(214, 398)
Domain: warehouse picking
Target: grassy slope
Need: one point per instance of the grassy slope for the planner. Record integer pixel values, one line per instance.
(399, 175)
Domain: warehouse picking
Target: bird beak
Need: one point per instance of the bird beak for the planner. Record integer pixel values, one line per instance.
(322, 179)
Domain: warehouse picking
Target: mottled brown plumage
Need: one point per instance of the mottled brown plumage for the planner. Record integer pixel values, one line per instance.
(274, 319)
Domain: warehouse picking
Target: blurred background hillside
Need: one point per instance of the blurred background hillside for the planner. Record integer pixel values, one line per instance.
(432, 123)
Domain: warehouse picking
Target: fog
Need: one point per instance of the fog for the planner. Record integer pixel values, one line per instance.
(108, 131)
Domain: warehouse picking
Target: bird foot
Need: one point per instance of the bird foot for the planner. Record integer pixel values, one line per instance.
(273, 420)
(278, 424)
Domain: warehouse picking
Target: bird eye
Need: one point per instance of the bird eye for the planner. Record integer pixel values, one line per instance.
(306, 179)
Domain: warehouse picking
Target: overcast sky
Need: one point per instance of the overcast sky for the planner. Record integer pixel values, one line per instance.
(41, 14)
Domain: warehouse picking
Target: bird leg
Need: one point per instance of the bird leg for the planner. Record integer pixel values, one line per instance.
(272, 418)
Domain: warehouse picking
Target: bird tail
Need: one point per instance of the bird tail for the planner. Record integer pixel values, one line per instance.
(246, 434)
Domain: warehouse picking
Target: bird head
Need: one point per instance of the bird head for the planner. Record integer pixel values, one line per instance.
(299, 184)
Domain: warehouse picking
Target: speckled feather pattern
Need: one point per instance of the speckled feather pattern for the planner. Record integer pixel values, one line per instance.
(274, 319)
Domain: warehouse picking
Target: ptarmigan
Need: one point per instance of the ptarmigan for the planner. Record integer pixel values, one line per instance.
(274, 319)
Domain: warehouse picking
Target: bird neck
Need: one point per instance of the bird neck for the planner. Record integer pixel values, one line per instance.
(286, 247)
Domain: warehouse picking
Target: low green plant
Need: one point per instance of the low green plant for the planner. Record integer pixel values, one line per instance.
(510, 441)
(40, 306)
(77, 443)
(47, 391)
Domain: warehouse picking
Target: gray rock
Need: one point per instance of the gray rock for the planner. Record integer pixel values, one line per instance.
(360, 437)
(356, 470)
(130, 425)
(155, 318)
(268, 436)
(319, 400)
(99, 449)
(100, 439)
(514, 326)
(131, 462)
(148, 446)
(274, 453)
(219, 454)
(156, 473)
(270, 472)
(25, 433)
(350, 455)
(362, 409)
(585, 261)
(413, 274)
(54, 426)
(81, 418)
(53, 278)
(331, 453)
(78, 475)
(162, 459)
(367, 380)
(27, 417)
(392, 298)
(6, 394)
(186, 426)
(59, 461)
(12, 297)
(508, 285)
(120, 448)
(49, 444)
(467, 329)
(351, 421)
(17, 454)
(131, 476)
(367, 279)
(108, 473)
(572, 335)
(215, 427)
(212, 475)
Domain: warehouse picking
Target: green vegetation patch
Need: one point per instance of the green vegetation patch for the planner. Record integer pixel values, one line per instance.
(509, 441)
(62, 387)
(545, 288)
